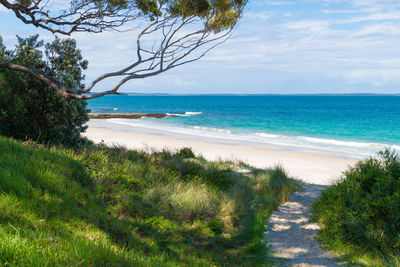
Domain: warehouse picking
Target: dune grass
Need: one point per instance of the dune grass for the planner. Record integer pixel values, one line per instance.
(360, 215)
(109, 206)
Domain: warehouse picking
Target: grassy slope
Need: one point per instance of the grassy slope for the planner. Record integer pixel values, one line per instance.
(116, 207)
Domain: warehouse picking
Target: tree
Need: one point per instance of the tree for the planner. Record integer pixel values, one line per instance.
(182, 31)
(31, 110)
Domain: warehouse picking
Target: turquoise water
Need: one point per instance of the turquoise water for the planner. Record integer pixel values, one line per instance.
(353, 124)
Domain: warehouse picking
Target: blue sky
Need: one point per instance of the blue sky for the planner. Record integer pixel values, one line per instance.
(303, 46)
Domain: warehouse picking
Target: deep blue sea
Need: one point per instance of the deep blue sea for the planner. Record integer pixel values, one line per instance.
(359, 125)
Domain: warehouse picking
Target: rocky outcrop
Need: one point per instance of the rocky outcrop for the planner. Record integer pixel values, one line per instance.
(127, 115)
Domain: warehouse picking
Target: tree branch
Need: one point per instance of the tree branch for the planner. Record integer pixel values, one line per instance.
(176, 39)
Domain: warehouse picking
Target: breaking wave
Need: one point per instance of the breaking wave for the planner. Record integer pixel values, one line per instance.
(186, 114)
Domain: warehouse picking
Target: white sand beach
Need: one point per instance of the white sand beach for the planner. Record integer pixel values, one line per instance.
(311, 167)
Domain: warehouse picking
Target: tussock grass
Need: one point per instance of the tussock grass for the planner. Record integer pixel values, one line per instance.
(185, 201)
(110, 206)
(360, 215)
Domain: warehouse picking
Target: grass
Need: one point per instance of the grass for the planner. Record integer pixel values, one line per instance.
(109, 206)
(360, 215)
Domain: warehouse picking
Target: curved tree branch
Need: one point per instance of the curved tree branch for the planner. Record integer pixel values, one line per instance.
(175, 39)
(82, 16)
(39, 75)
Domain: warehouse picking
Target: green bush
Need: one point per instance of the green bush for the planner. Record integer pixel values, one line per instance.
(186, 153)
(30, 110)
(362, 211)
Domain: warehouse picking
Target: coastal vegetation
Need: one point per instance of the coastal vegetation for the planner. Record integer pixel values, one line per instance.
(67, 202)
(111, 206)
(360, 215)
(30, 110)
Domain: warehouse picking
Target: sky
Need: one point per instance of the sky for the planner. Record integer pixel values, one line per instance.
(279, 47)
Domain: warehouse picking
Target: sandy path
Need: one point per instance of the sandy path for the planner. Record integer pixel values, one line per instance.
(292, 236)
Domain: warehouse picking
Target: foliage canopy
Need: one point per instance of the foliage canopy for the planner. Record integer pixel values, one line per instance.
(99, 15)
(29, 109)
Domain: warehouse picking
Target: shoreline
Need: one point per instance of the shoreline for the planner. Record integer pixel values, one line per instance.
(311, 167)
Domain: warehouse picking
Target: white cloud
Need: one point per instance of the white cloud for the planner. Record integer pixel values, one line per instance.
(260, 16)
(365, 57)
(376, 77)
(278, 3)
(343, 11)
(382, 29)
(310, 44)
(317, 26)
(374, 17)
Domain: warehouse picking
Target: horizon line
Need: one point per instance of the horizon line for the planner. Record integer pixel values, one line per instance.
(262, 94)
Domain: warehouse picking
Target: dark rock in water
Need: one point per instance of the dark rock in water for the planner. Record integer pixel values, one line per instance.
(127, 115)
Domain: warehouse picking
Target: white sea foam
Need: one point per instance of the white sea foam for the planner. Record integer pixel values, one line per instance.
(193, 113)
(211, 129)
(186, 114)
(115, 108)
(304, 143)
(355, 149)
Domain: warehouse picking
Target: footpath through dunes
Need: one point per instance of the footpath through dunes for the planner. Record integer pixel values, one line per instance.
(292, 235)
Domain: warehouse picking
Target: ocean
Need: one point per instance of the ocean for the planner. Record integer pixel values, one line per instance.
(357, 126)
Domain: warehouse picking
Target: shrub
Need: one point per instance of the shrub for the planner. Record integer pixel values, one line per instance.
(362, 210)
(31, 110)
(186, 153)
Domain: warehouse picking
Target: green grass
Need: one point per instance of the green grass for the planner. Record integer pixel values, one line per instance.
(360, 215)
(116, 207)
